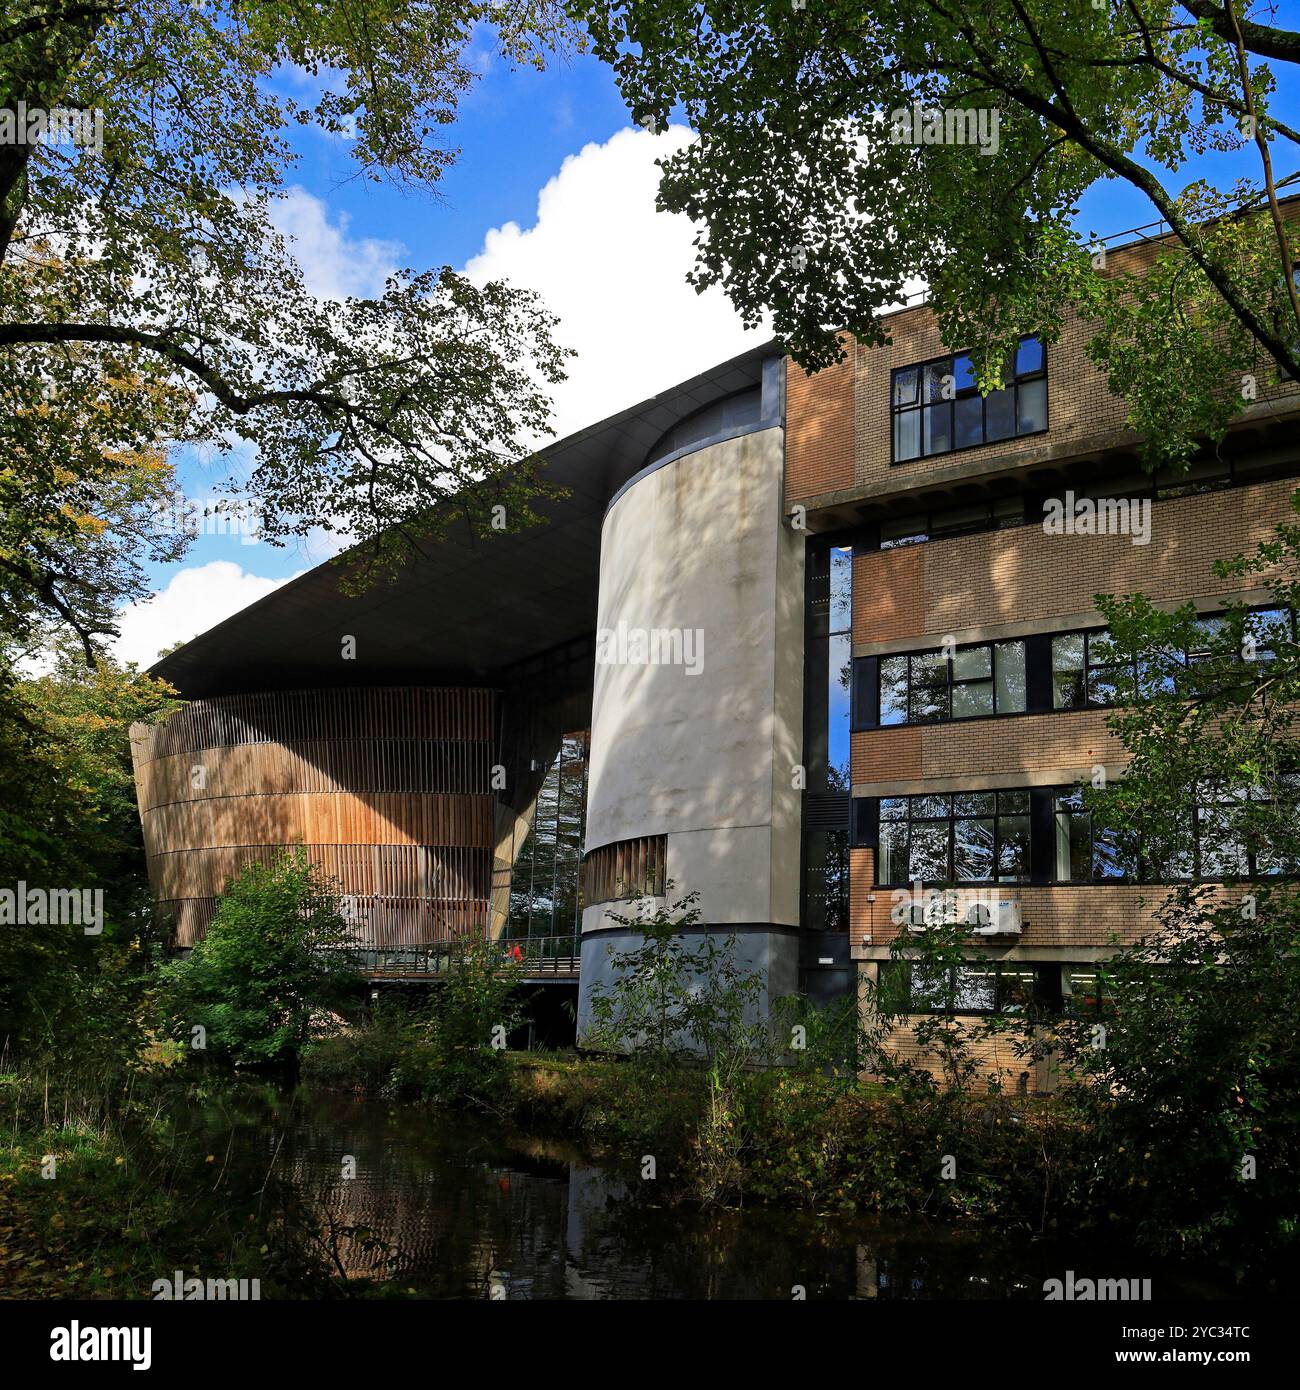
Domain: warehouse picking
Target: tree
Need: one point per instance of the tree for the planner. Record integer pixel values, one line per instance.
(1188, 1072)
(460, 1056)
(68, 820)
(275, 954)
(823, 195)
(86, 487)
(144, 251)
(668, 1001)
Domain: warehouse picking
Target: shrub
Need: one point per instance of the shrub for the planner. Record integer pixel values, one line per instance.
(275, 955)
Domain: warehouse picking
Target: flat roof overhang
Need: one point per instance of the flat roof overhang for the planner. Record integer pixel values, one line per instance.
(470, 607)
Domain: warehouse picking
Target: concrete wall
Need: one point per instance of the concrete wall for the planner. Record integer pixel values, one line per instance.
(704, 758)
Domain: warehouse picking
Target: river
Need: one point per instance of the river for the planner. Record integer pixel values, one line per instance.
(440, 1205)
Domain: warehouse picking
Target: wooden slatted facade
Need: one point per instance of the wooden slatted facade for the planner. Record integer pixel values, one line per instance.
(387, 790)
(626, 869)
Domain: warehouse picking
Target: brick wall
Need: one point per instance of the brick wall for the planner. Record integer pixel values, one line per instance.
(1080, 406)
(819, 430)
(1028, 745)
(1054, 919)
(1024, 574)
(839, 420)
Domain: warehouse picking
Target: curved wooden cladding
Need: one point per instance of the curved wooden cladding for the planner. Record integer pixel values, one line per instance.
(403, 712)
(626, 869)
(315, 765)
(388, 792)
(346, 818)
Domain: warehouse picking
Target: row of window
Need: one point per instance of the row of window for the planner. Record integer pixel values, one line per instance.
(1086, 671)
(965, 837)
(937, 406)
(1002, 513)
(1089, 670)
(1049, 835)
(980, 988)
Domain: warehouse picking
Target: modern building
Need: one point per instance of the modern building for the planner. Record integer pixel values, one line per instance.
(787, 642)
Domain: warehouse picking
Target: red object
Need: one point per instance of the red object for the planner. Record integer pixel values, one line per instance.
(517, 953)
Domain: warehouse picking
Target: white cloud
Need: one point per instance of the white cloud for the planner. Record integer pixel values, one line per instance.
(334, 264)
(195, 599)
(614, 271)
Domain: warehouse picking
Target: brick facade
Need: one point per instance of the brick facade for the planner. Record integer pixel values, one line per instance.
(1001, 584)
(1024, 575)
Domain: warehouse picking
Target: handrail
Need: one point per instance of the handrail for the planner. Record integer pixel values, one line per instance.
(560, 955)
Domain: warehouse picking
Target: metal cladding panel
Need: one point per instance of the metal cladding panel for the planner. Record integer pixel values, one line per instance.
(469, 607)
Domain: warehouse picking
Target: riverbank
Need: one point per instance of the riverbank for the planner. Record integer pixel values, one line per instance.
(807, 1140)
(105, 1192)
(415, 1201)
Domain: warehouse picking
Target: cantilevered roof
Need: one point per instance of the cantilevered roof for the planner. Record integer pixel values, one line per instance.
(470, 607)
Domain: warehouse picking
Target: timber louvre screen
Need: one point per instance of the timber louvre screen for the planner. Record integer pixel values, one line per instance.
(626, 869)
(387, 790)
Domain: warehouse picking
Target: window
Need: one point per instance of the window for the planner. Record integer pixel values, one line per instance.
(977, 988)
(998, 515)
(826, 880)
(961, 837)
(1089, 670)
(1082, 991)
(1217, 838)
(1084, 852)
(828, 659)
(937, 407)
(927, 687)
(545, 881)
(1230, 824)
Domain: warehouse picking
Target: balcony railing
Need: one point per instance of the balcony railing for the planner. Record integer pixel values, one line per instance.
(535, 955)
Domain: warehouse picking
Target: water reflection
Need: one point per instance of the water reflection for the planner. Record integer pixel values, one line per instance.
(445, 1207)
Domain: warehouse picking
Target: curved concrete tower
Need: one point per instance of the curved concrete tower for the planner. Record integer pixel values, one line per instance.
(697, 707)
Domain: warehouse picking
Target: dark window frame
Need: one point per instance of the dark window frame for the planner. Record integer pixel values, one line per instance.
(963, 393)
(1222, 476)
(1186, 656)
(951, 819)
(1199, 811)
(952, 682)
(1045, 998)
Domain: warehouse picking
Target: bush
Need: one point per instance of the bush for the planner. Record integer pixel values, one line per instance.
(456, 1054)
(275, 956)
(369, 1055)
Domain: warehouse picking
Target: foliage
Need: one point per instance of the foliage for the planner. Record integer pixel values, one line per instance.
(669, 1000)
(1188, 1079)
(147, 296)
(368, 1054)
(928, 970)
(275, 956)
(815, 210)
(672, 1005)
(68, 820)
(147, 1182)
(459, 1057)
(84, 479)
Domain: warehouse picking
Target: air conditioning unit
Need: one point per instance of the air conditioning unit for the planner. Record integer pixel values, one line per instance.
(1000, 918)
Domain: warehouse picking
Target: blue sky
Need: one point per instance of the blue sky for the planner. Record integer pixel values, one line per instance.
(592, 245)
